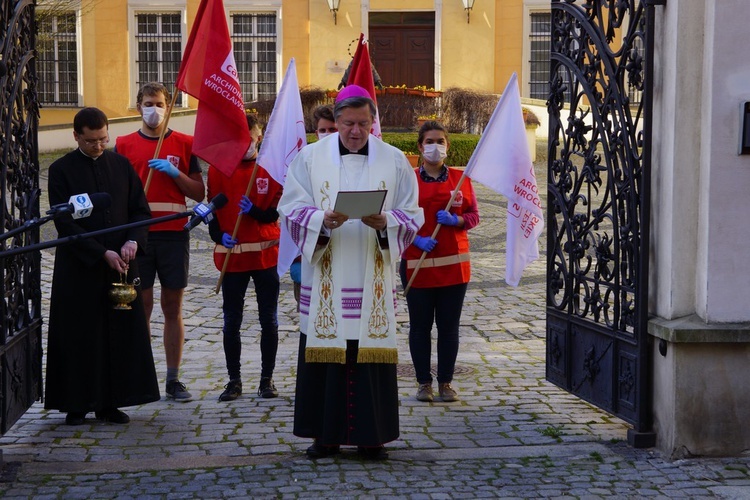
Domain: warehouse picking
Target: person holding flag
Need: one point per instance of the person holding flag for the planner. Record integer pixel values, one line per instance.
(325, 125)
(347, 391)
(172, 177)
(437, 292)
(254, 251)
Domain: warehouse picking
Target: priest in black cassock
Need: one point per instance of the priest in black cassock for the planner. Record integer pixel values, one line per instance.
(98, 359)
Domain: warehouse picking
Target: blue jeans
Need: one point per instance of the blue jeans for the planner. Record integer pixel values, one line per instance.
(233, 288)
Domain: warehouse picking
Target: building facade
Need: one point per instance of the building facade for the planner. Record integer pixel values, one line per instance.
(97, 53)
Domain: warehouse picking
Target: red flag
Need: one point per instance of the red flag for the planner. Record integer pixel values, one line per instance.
(208, 72)
(361, 74)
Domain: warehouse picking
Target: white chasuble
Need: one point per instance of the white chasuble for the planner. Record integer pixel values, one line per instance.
(348, 280)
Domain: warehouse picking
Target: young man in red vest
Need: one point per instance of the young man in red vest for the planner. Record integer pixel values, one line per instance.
(176, 175)
(253, 253)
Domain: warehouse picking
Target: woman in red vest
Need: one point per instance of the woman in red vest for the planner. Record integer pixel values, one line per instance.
(437, 293)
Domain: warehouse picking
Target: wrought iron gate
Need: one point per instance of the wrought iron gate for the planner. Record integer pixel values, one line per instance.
(598, 213)
(20, 286)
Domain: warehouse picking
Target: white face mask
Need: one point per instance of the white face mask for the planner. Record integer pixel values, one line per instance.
(153, 116)
(323, 134)
(251, 152)
(435, 153)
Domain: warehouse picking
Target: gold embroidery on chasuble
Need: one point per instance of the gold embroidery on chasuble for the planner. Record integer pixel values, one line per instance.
(325, 201)
(325, 320)
(378, 323)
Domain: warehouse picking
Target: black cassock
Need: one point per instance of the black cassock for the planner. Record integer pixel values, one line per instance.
(97, 357)
(346, 404)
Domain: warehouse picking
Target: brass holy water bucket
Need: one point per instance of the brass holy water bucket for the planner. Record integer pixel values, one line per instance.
(123, 293)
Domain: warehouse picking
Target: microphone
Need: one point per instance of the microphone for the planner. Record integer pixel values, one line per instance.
(205, 212)
(81, 205)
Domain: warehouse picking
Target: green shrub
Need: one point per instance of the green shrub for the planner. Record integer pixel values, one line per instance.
(461, 148)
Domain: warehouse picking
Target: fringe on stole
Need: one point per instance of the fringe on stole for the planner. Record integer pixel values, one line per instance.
(377, 355)
(364, 355)
(325, 355)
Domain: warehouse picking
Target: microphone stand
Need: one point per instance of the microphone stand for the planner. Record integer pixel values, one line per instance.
(28, 225)
(77, 237)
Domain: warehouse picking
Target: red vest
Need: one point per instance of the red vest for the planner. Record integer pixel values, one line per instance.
(257, 242)
(164, 197)
(448, 263)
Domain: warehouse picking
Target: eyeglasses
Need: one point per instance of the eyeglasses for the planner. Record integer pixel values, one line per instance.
(96, 142)
(330, 130)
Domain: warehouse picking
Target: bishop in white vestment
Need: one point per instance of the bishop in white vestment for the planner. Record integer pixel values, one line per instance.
(346, 378)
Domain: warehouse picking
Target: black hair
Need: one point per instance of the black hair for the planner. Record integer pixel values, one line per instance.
(322, 113)
(430, 125)
(91, 118)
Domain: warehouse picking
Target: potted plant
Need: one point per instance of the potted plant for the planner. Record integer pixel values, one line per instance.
(425, 118)
(412, 157)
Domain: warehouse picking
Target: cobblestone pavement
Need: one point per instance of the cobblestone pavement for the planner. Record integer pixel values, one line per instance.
(512, 435)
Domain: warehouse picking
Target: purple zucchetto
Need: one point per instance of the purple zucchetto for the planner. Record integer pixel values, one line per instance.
(352, 91)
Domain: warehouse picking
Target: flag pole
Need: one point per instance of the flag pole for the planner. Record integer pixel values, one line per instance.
(236, 229)
(161, 140)
(435, 232)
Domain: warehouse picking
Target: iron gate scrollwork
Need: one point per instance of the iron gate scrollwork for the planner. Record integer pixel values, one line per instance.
(20, 286)
(598, 181)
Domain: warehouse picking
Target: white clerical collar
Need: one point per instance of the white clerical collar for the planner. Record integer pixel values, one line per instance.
(89, 156)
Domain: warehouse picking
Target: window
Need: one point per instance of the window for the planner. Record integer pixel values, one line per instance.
(158, 39)
(254, 41)
(57, 65)
(540, 37)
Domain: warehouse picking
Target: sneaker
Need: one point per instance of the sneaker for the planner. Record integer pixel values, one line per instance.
(424, 393)
(232, 390)
(267, 389)
(177, 391)
(447, 393)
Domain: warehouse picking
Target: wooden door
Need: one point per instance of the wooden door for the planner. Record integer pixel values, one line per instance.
(404, 55)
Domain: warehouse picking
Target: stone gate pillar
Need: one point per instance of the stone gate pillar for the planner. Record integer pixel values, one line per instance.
(699, 283)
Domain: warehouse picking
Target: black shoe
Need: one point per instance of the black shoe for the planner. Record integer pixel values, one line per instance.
(267, 389)
(373, 452)
(232, 390)
(113, 415)
(75, 418)
(322, 451)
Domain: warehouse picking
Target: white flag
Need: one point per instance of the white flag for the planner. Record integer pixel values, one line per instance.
(502, 162)
(284, 138)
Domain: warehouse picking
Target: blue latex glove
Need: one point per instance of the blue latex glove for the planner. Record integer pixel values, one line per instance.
(164, 166)
(447, 218)
(227, 241)
(425, 243)
(245, 205)
(295, 271)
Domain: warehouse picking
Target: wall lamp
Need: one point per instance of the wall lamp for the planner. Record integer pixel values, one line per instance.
(333, 6)
(468, 5)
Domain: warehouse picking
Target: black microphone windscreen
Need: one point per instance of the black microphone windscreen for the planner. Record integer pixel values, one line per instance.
(101, 200)
(219, 200)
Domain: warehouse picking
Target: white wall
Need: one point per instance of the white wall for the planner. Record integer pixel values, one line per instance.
(61, 138)
(724, 242)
